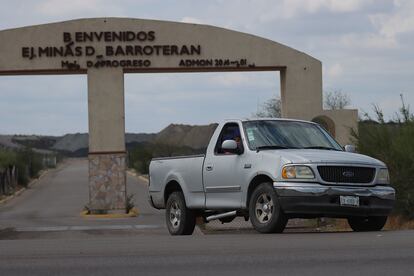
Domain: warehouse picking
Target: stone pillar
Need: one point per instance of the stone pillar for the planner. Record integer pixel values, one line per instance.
(301, 96)
(107, 169)
(301, 91)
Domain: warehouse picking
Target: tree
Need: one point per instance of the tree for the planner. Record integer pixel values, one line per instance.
(407, 116)
(271, 108)
(336, 100)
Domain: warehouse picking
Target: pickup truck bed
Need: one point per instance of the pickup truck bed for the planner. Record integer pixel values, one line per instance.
(183, 170)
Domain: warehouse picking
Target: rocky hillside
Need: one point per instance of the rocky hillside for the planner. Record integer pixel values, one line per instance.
(6, 141)
(195, 137)
(75, 142)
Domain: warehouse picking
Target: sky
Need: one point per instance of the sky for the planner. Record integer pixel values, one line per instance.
(366, 49)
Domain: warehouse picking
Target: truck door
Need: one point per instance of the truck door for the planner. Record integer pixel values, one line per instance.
(223, 171)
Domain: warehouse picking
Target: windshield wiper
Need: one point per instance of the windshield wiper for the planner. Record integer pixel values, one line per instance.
(321, 147)
(273, 147)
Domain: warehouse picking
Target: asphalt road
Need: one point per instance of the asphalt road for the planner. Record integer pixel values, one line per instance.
(42, 233)
(58, 198)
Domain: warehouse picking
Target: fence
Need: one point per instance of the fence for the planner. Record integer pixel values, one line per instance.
(8, 180)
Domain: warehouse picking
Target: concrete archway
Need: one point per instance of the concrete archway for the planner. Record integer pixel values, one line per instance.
(327, 123)
(106, 48)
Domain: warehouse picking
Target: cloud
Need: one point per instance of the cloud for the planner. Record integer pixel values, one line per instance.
(400, 21)
(233, 79)
(387, 28)
(244, 81)
(334, 71)
(193, 20)
(368, 41)
(294, 8)
(72, 7)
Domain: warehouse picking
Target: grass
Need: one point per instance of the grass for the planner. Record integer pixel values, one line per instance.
(129, 208)
(399, 223)
(130, 204)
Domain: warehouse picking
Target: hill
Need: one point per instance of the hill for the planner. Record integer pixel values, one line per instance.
(195, 137)
(177, 135)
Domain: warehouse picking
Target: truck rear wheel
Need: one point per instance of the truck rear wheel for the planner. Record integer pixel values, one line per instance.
(265, 212)
(361, 224)
(180, 220)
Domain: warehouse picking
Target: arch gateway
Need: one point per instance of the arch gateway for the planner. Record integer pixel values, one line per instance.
(106, 48)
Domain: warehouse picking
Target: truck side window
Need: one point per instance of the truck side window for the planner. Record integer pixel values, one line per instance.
(230, 131)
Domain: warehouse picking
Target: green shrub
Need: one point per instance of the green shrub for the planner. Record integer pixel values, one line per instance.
(7, 158)
(140, 157)
(393, 143)
(27, 162)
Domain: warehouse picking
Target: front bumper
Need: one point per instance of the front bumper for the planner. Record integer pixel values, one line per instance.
(317, 200)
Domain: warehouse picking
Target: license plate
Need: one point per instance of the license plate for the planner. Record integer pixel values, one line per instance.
(349, 200)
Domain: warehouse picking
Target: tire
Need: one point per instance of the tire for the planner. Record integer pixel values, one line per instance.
(265, 212)
(363, 224)
(180, 220)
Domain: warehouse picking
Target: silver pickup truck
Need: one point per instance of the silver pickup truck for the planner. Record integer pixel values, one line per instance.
(268, 171)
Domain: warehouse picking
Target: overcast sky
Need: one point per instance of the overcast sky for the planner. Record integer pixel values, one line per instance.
(366, 48)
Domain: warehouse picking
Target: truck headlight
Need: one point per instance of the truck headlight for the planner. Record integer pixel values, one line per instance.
(297, 172)
(383, 176)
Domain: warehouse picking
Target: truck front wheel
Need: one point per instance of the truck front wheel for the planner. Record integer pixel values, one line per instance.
(180, 220)
(265, 212)
(361, 224)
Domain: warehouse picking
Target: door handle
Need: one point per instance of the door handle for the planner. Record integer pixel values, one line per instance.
(209, 168)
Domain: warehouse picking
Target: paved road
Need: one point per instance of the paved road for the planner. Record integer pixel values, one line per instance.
(135, 246)
(59, 197)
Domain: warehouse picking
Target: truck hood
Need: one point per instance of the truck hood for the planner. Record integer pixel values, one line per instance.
(322, 156)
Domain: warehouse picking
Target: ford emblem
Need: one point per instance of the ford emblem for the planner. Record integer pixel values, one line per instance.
(348, 174)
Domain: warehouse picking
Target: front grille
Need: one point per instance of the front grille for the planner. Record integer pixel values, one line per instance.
(341, 174)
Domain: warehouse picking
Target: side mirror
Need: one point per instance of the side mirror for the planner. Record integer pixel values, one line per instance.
(349, 148)
(230, 146)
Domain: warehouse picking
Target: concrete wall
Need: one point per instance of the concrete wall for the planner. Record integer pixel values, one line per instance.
(216, 43)
(345, 120)
(106, 110)
(301, 74)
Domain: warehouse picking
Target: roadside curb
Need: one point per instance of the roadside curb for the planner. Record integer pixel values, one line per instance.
(132, 213)
(10, 197)
(198, 231)
(143, 178)
(139, 176)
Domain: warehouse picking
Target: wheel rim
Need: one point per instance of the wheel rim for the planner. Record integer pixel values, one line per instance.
(264, 208)
(175, 215)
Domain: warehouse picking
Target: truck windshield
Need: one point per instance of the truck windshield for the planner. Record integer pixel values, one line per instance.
(274, 134)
